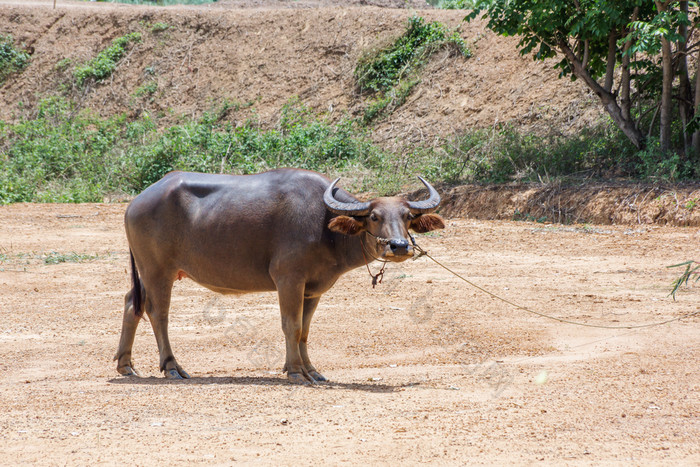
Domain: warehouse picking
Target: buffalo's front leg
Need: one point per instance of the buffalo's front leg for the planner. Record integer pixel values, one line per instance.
(310, 305)
(291, 298)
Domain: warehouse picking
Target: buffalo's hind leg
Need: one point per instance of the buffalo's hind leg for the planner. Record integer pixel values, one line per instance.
(157, 308)
(126, 342)
(310, 305)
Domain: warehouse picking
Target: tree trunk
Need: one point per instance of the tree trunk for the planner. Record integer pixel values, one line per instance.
(612, 59)
(696, 134)
(627, 125)
(608, 99)
(625, 84)
(685, 108)
(625, 78)
(665, 118)
(665, 115)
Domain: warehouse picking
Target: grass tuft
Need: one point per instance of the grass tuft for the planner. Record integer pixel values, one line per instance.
(54, 257)
(453, 4)
(104, 64)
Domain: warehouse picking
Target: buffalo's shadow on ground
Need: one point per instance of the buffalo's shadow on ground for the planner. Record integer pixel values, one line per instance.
(260, 381)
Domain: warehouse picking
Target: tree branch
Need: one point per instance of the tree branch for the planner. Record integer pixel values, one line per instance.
(608, 99)
(541, 39)
(581, 72)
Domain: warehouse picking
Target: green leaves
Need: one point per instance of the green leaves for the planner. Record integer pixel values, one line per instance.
(646, 36)
(620, 41)
(692, 268)
(542, 25)
(12, 59)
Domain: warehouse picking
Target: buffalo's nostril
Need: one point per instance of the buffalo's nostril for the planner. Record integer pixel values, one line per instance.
(399, 246)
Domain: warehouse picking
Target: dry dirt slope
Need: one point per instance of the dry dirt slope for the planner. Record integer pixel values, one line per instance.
(260, 55)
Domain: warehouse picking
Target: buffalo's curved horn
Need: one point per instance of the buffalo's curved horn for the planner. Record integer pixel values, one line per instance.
(426, 205)
(346, 209)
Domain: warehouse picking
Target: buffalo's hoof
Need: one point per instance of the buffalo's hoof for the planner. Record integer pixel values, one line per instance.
(176, 373)
(299, 378)
(318, 377)
(128, 371)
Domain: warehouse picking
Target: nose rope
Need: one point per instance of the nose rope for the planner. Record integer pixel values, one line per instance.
(378, 277)
(380, 240)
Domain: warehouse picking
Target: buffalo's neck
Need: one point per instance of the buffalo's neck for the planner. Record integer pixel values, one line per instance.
(355, 250)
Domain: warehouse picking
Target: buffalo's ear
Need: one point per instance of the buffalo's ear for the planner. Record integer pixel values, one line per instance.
(346, 225)
(426, 223)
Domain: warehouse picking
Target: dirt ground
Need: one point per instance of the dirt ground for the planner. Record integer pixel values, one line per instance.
(423, 368)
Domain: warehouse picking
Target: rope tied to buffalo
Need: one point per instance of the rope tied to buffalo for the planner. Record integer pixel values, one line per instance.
(422, 252)
(378, 277)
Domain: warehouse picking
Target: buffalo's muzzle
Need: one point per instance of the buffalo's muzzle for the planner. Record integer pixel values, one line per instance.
(398, 249)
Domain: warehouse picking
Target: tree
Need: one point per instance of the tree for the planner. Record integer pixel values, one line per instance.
(658, 35)
(665, 119)
(628, 52)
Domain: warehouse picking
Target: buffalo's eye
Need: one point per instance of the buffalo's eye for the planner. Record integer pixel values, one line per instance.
(410, 216)
(374, 217)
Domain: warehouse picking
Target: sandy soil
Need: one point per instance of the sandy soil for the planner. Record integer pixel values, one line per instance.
(423, 368)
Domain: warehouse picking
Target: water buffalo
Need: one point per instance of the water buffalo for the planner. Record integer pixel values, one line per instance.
(287, 230)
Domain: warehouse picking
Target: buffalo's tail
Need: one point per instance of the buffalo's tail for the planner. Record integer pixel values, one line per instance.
(136, 298)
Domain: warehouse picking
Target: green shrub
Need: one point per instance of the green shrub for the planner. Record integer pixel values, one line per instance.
(300, 140)
(380, 70)
(504, 154)
(388, 102)
(657, 164)
(392, 72)
(66, 155)
(146, 89)
(12, 59)
(104, 64)
(60, 155)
